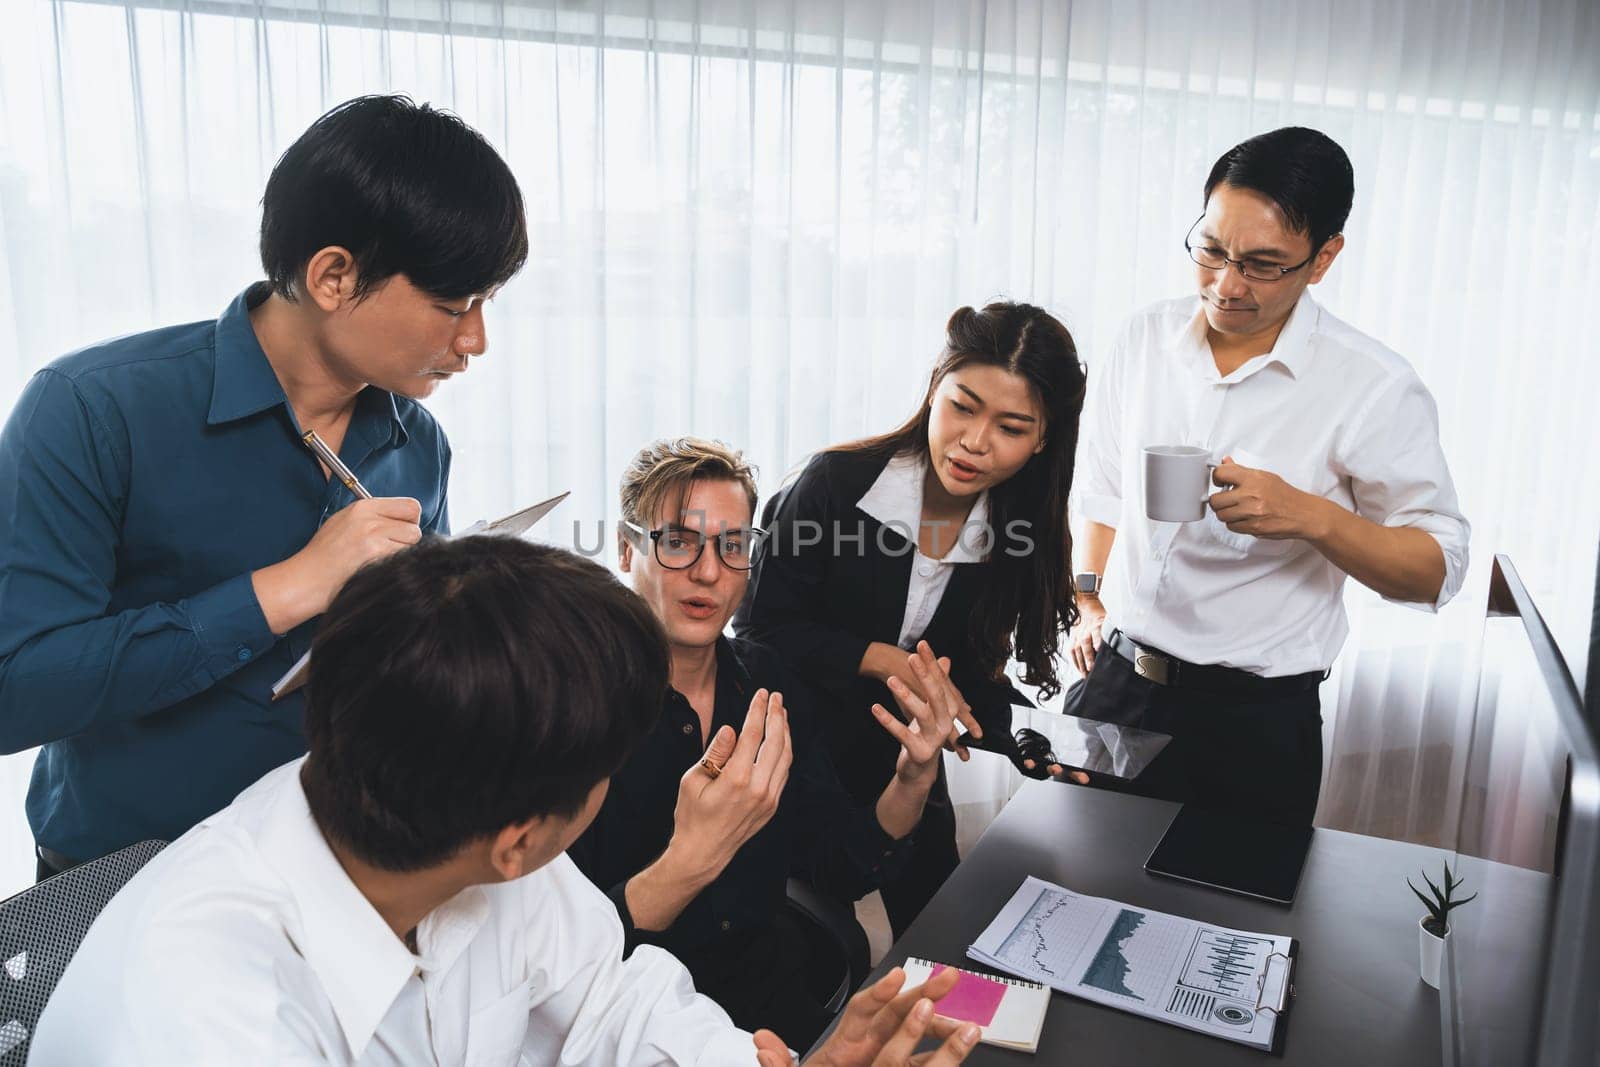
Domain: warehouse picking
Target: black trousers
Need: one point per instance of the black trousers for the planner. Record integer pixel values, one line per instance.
(933, 858)
(1254, 755)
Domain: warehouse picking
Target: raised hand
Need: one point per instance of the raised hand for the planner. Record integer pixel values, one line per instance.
(724, 799)
(881, 1027)
(889, 664)
(932, 710)
(718, 811)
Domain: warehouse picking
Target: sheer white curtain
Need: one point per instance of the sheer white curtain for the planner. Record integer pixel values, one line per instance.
(750, 220)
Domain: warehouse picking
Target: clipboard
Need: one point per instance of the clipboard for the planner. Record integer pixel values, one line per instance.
(1279, 1004)
(513, 525)
(1228, 983)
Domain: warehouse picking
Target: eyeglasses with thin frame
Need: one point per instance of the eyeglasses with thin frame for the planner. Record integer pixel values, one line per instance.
(1257, 270)
(678, 548)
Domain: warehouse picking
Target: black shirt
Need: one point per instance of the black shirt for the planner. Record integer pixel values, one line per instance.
(818, 832)
(831, 580)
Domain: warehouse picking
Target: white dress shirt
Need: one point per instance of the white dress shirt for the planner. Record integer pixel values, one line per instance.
(244, 942)
(1329, 410)
(895, 499)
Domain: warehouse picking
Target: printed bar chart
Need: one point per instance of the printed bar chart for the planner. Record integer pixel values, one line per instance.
(1226, 963)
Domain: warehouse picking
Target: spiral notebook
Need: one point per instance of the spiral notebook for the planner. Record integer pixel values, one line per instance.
(1009, 1010)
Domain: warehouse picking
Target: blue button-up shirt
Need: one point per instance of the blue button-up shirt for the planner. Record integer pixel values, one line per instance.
(141, 481)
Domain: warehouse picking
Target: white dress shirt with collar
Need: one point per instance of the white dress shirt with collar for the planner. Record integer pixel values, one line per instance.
(895, 499)
(1329, 410)
(244, 942)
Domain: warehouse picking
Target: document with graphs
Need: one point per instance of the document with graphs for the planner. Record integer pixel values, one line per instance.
(1228, 983)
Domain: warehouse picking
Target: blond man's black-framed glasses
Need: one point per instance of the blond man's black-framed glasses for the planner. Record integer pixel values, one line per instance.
(677, 548)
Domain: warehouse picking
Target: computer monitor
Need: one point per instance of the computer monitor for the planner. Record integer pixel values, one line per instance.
(1530, 841)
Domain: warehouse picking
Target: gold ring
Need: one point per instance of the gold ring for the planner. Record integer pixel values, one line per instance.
(710, 768)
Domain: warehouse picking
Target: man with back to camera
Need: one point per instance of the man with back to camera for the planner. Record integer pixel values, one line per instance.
(399, 896)
(169, 536)
(696, 838)
(1329, 465)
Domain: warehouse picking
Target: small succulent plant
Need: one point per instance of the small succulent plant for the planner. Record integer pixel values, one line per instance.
(1441, 903)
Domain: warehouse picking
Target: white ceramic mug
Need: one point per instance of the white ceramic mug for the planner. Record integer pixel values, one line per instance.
(1177, 482)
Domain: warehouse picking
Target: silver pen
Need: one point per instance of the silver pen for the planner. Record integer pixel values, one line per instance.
(335, 464)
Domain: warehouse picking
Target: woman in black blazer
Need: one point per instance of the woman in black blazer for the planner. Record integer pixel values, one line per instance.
(951, 529)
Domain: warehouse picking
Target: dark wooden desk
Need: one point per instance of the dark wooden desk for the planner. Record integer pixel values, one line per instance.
(1358, 1003)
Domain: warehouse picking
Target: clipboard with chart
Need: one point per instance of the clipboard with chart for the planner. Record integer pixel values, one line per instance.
(1232, 984)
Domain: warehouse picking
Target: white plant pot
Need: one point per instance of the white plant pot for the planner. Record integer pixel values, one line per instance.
(1432, 953)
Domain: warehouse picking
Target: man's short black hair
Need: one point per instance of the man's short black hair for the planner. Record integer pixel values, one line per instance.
(460, 687)
(1303, 171)
(407, 189)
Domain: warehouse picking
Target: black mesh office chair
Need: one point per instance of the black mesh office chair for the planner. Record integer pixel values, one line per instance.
(842, 959)
(40, 930)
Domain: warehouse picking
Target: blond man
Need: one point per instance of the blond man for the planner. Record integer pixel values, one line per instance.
(732, 790)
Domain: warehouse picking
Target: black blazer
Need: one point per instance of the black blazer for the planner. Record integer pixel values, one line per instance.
(820, 604)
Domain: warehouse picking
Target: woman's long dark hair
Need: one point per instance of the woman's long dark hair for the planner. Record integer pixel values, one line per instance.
(1027, 600)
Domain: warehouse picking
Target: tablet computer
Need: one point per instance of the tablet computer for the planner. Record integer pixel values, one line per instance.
(1231, 852)
(1085, 744)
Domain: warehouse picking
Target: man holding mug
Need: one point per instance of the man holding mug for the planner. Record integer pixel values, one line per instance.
(1228, 605)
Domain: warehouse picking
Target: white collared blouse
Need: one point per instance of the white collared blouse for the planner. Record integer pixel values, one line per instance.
(895, 499)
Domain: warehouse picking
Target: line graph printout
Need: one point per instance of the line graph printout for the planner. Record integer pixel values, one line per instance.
(1055, 927)
(1190, 974)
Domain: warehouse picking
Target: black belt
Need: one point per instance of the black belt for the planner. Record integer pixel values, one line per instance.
(1156, 666)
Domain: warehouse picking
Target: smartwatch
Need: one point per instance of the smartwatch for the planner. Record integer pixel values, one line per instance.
(1087, 583)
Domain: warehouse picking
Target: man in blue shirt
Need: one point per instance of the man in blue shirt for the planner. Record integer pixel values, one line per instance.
(169, 539)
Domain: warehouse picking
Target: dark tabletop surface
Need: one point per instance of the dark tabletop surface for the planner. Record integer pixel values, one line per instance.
(1358, 999)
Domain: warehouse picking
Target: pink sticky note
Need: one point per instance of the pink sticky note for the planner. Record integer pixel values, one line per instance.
(975, 998)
